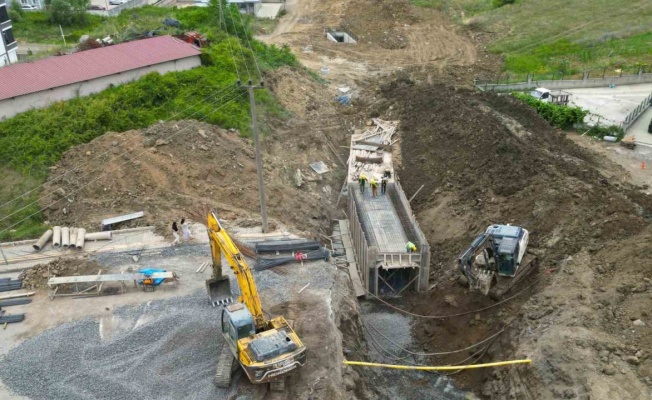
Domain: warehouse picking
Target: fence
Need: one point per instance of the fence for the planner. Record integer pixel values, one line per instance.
(585, 82)
(360, 243)
(633, 116)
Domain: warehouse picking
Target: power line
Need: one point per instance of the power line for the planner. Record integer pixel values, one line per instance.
(235, 29)
(122, 154)
(78, 167)
(228, 39)
(111, 170)
(244, 32)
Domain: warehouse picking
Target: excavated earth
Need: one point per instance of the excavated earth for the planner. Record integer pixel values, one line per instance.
(584, 316)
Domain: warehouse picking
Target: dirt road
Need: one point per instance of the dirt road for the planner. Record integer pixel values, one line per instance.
(389, 37)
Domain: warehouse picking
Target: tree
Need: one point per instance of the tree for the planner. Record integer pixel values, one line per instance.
(15, 11)
(68, 12)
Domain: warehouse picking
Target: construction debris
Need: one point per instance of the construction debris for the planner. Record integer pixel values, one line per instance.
(286, 246)
(319, 167)
(37, 277)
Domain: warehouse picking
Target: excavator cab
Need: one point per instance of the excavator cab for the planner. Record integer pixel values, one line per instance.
(506, 261)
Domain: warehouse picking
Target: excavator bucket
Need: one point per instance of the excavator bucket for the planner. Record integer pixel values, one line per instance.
(219, 291)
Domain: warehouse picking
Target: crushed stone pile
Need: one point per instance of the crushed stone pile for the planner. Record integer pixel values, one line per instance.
(157, 350)
(37, 276)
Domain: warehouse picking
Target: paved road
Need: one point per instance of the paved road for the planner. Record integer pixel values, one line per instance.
(610, 106)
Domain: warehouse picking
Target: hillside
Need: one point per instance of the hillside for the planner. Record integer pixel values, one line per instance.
(557, 36)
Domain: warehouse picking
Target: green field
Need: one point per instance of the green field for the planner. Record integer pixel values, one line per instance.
(561, 36)
(33, 141)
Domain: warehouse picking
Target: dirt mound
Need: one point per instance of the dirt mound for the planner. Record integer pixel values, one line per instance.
(37, 276)
(484, 159)
(171, 170)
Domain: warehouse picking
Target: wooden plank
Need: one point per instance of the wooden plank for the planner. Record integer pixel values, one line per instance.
(17, 295)
(122, 218)
(353, 268)
(107, 278)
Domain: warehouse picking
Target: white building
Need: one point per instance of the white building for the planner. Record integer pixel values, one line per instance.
(38, 84)
(8, 44)
(247, 6)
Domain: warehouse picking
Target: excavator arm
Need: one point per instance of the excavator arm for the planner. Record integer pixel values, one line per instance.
(222, 244)
(465, 260)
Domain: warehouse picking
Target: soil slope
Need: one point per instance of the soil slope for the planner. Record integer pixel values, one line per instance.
(486, 159)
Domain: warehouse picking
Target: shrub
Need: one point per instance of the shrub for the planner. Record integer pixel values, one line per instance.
(601, 131)
(559, 116)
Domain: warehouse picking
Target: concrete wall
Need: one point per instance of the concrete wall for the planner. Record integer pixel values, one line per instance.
(587, 82)
(11, 107)
(115, 10)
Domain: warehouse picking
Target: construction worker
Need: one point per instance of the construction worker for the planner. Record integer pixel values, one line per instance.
(411, 247)
(374, 187)
(383, 185)
(362, 180)
(175, 232)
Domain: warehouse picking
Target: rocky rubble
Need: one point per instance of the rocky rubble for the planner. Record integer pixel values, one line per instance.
(37, 276)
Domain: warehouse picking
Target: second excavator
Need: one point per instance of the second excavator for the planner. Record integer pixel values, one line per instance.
(267, 350)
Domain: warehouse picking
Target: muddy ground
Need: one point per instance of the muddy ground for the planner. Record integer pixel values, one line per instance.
(482, 159)
(486, 159)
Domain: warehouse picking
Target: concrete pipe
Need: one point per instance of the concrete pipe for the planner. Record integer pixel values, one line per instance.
(65, 237)
(73, 237)
(56, 236)
(99, 236)
(43, 240)
(81, 233)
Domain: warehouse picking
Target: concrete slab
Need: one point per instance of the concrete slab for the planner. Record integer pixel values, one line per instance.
(269, 10)
(380, 221)
(610, 106)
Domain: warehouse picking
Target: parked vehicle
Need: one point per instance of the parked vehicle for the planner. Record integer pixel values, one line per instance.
(547, 96)
(117, 2)
(27, 7)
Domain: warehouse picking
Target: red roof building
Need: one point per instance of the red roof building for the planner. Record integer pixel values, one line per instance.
(37, 84)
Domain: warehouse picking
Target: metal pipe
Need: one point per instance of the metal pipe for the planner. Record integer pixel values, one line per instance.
(73, 237)
(99, 235)
(65, 237)
(56, 236)
(43, 240)
(81, 233)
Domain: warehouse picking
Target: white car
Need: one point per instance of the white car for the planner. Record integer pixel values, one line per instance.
(117, 2)
(27, 7)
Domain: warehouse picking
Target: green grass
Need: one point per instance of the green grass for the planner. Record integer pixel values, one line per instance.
(558, 36)
(35, 27)
(35, 140)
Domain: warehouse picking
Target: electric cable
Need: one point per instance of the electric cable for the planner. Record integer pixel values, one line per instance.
(222, 22)
(244, 32)
(101, 175)
(78, 167)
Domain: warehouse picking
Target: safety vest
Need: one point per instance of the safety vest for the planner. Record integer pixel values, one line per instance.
(373, 182)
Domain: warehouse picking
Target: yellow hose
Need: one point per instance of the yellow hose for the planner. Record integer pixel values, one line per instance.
(441, 368)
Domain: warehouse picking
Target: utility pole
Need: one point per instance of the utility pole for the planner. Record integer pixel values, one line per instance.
(259, 163)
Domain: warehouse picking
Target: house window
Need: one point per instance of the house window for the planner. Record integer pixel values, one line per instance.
(8, 36)
(4, 16)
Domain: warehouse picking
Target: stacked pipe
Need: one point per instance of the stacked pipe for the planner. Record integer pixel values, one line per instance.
(69, 238)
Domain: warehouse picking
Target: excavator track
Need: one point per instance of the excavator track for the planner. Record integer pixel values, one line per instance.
(504, 284)
(224, 368)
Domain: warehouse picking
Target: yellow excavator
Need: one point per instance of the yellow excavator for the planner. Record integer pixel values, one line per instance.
(267, 350)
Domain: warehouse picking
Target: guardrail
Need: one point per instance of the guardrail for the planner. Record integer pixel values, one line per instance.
(585, 82)
(633, 116)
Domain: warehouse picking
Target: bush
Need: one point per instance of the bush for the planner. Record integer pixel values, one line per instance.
(68, 12)
(601, 131)
(559, 116)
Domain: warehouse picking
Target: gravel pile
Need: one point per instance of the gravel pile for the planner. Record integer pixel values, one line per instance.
(159, 350)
